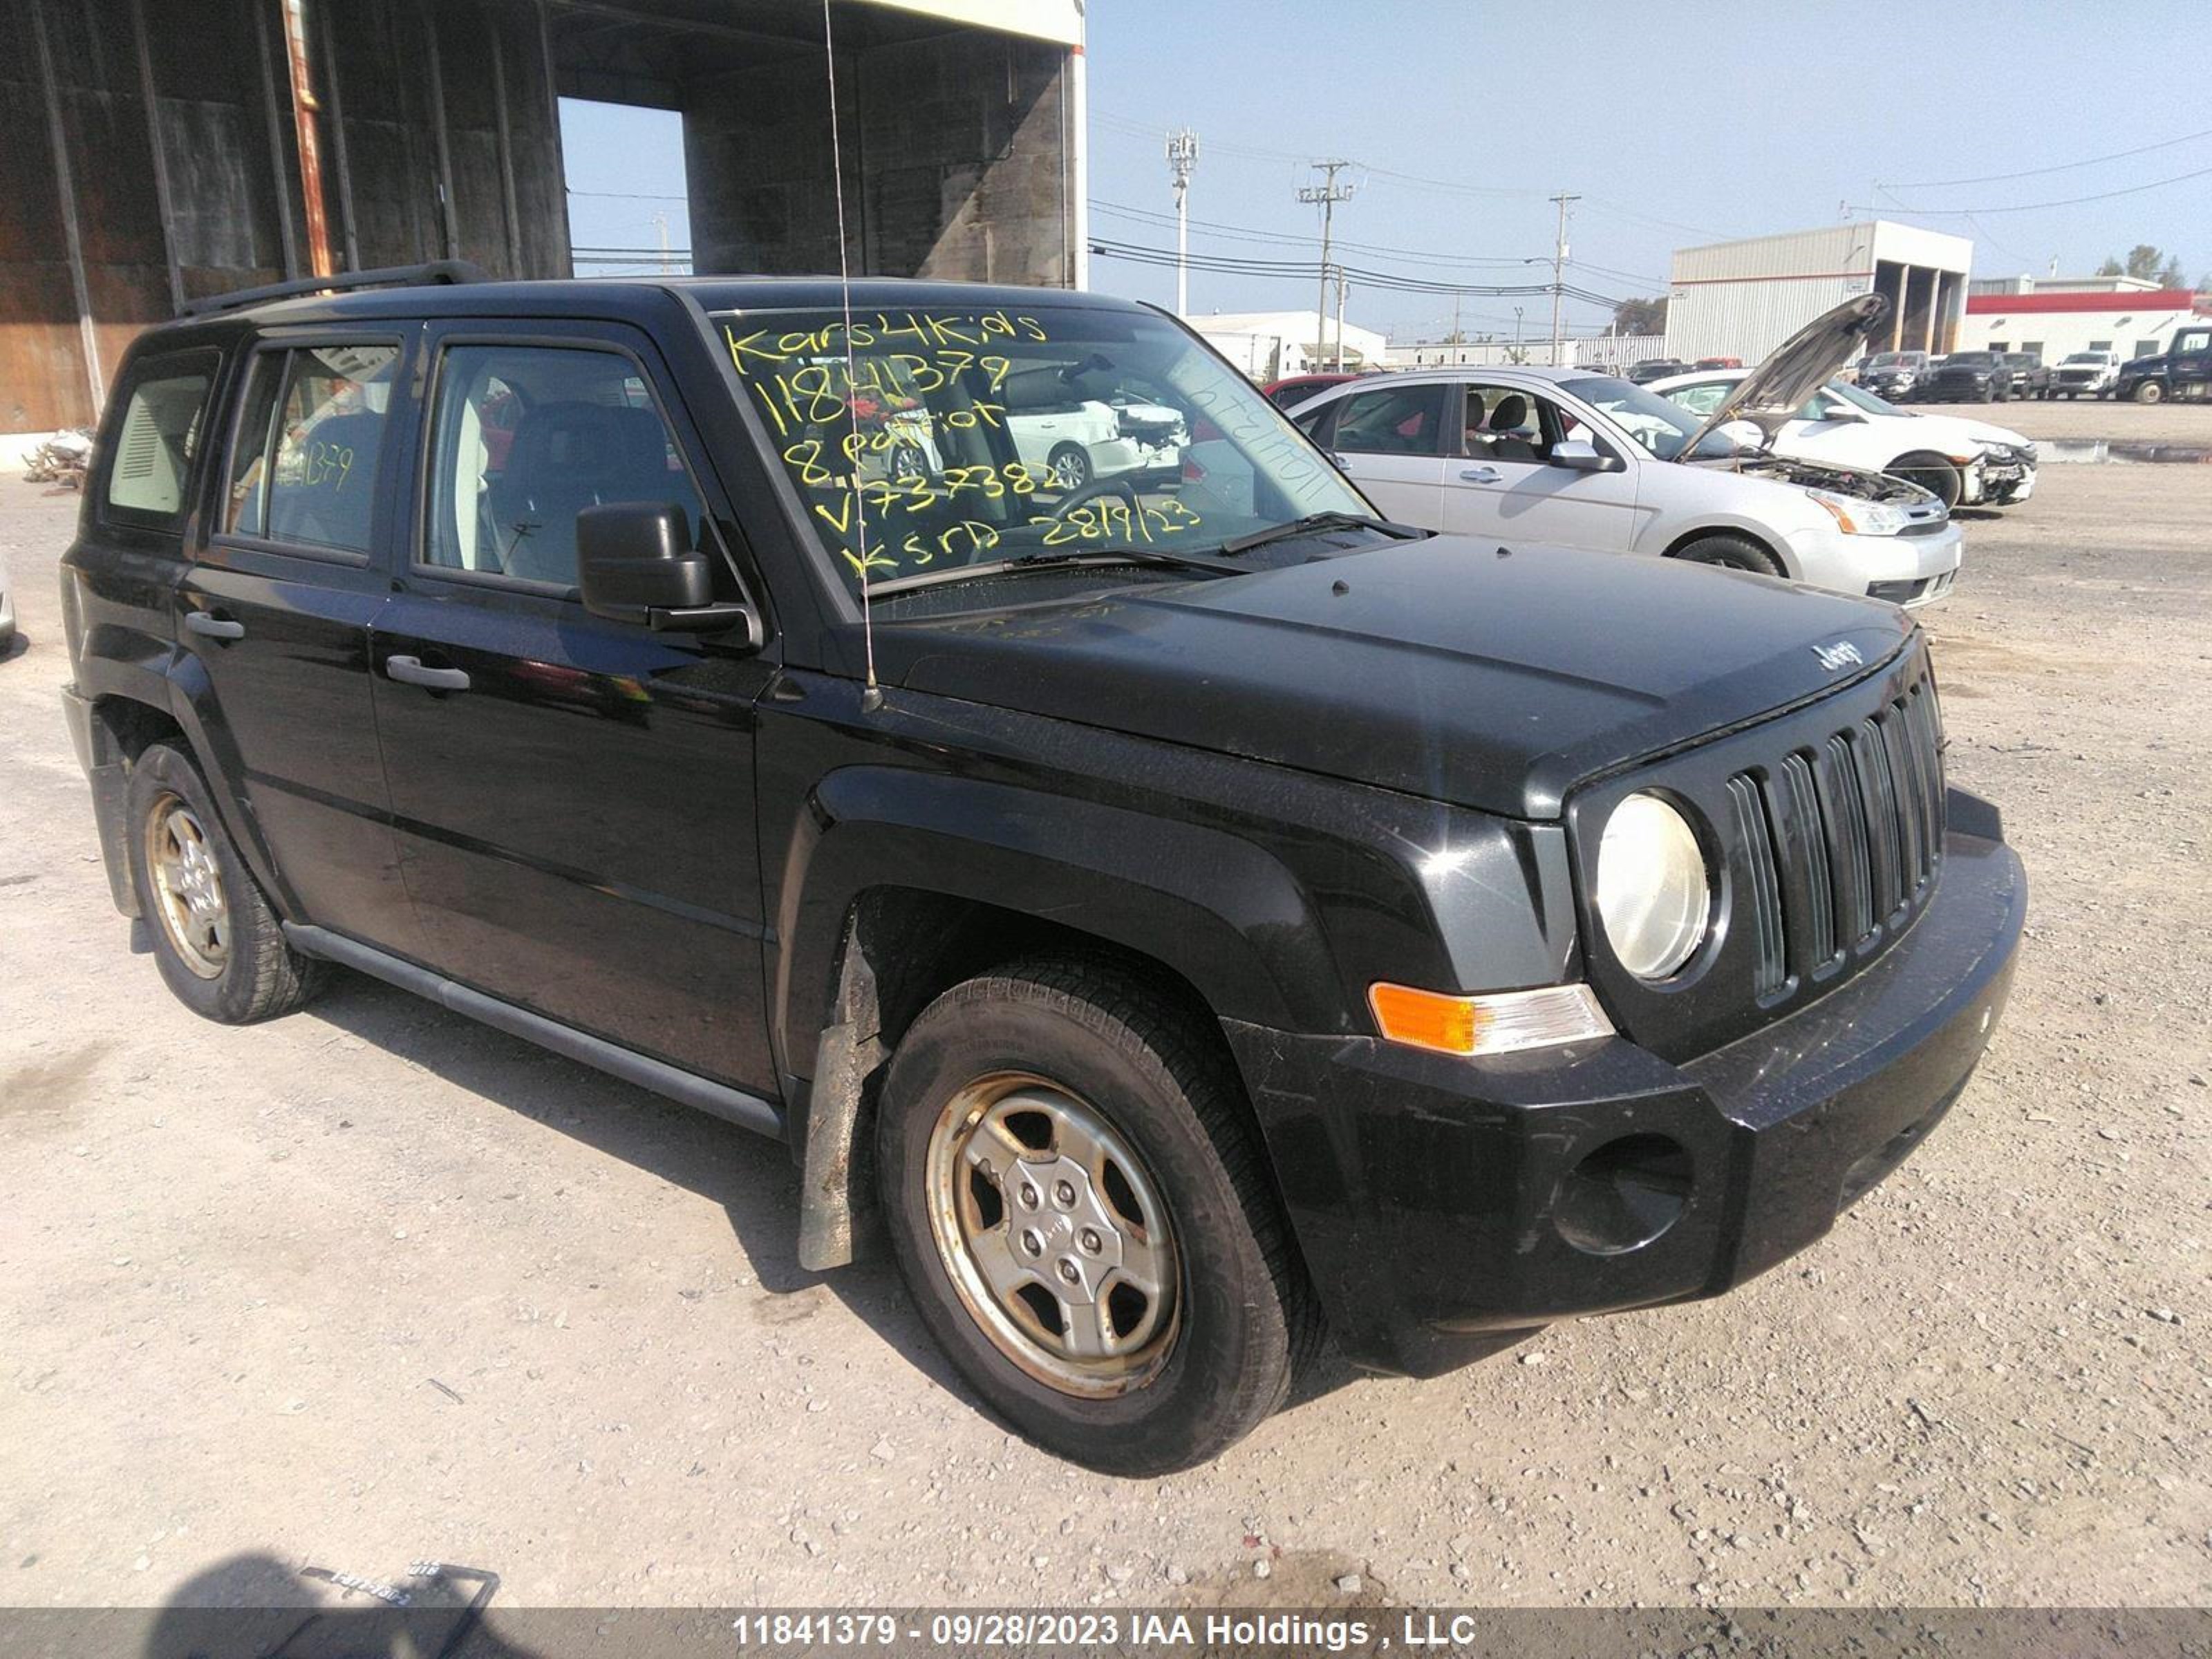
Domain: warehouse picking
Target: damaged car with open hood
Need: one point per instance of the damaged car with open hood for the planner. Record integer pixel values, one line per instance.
(1576, 459)
(1181, 916)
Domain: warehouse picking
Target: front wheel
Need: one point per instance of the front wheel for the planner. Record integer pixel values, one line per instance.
(2150, 391)
(1731, 553)
(1935, 473)
(216, 942)
(1081, 1209)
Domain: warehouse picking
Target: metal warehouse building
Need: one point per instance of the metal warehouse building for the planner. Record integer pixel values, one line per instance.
(1743, 298)
(155, 150)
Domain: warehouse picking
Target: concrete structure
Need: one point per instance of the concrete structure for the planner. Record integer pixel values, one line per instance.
(2054, 315)
(1268, 344)
(1743, 298)
(1608, 351)
(154, 151)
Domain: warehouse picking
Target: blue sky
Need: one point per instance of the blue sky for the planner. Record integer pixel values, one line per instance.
(1679, 124)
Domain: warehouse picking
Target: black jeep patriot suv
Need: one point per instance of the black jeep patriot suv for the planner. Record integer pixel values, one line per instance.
(969, 734)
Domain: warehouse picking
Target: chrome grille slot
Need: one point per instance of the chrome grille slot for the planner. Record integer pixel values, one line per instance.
(1843, 810)
(1813, 918)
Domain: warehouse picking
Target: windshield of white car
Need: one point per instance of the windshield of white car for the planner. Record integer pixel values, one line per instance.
(2096, 357)
(1660, 428)
(1859, 396)
(949, 438)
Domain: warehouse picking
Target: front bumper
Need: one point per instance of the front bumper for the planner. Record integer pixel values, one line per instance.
(1907, 570)
(1440, 1202)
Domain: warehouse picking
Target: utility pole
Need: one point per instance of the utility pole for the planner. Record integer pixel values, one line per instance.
(1183, 158)
(661, 223)
(1341, 286)
(1516, 334)
(1328, 193)
(1559, 272)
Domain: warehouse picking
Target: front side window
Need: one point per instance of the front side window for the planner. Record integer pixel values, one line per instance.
(524, 438)
(158, 440)
(952, 439)
(1392, 420)
(1505, 425)
(304, 468)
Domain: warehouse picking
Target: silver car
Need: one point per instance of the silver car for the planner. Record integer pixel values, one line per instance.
(1564, 456)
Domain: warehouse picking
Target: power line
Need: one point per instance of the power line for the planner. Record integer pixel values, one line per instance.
(2033, 207)
(628, 195)
(1252, 233)
(1393, 282)
(2062, 166)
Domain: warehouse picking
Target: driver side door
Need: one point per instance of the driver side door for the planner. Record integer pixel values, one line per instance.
(1504, 485)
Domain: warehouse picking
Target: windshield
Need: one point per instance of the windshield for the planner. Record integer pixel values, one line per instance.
(968, 437)
(1860, 396)
(1972, 359)
(2096, 357)
(1660, 427)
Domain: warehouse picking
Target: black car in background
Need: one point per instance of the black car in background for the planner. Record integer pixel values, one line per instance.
(2031, 375)
(1896, 375)
(1656, 368)
(1970, 377)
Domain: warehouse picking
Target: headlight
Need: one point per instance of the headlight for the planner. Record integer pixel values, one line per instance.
(1653, 897)
(1861, 517)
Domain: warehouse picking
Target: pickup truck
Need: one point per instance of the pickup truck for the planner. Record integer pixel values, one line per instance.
(2085, 374)
(1180, 924)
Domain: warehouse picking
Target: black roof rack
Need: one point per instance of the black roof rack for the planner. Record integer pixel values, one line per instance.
(439, 271)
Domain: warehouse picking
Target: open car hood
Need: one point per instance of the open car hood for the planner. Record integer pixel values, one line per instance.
(1772, 393)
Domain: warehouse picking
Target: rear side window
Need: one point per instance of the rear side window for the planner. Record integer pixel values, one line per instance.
(1393, 421)
(164, 410)
(304, 468)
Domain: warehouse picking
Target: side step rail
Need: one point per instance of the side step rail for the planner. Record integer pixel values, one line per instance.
(746, 1111)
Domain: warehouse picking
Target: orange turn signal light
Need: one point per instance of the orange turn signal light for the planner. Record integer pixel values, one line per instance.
(1490, 1023)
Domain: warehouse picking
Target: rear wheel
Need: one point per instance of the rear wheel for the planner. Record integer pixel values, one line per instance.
(1071, 465)
(216, 942)
(1082, 1212)
(1726, 552)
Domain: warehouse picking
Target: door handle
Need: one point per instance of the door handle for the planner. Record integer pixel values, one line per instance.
(213, 626)
(409, 670)
(1479, 475)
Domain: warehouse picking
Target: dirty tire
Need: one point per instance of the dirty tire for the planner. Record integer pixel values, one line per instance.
(2150, 391)
(1932, 472)
(259, 975)
(1246, 1321)
(1726, 552)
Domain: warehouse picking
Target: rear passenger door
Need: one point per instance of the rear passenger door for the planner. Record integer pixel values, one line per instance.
(274, 611)
(573, 797)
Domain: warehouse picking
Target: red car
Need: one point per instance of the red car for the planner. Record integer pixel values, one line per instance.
(1294, 389)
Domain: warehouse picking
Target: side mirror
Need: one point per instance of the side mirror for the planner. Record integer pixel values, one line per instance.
(635, 563)
(1578, 455)
(1744, 434)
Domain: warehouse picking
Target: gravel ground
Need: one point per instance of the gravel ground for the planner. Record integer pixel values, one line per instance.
(374, 1283)
(2162, 423)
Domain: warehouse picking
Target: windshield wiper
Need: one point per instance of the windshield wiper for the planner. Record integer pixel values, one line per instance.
(1102, 557)
(1318, 521)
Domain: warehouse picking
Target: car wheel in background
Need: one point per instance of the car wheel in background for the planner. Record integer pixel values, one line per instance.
(1070, 465)
(1081, 1208)
(216, 940)
(1930, 472)
(907, 461)
(2150, 391)
(1726, 552)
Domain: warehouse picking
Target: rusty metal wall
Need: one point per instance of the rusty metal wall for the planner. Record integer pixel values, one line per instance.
(176, 172)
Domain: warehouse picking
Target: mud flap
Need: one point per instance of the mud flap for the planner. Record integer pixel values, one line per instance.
(838, 1220)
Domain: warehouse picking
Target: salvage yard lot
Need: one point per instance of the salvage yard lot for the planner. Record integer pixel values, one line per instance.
(376, 1284)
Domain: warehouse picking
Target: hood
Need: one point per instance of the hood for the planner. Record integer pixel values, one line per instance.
(1451, 668)
(1774, 392)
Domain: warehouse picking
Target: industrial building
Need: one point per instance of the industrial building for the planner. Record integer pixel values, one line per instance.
(1742, 299)
(2053, 316)
(152, 151)
(1268, 344)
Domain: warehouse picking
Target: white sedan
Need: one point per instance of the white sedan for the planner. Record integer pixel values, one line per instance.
(1968, 463)
(1560, 456)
